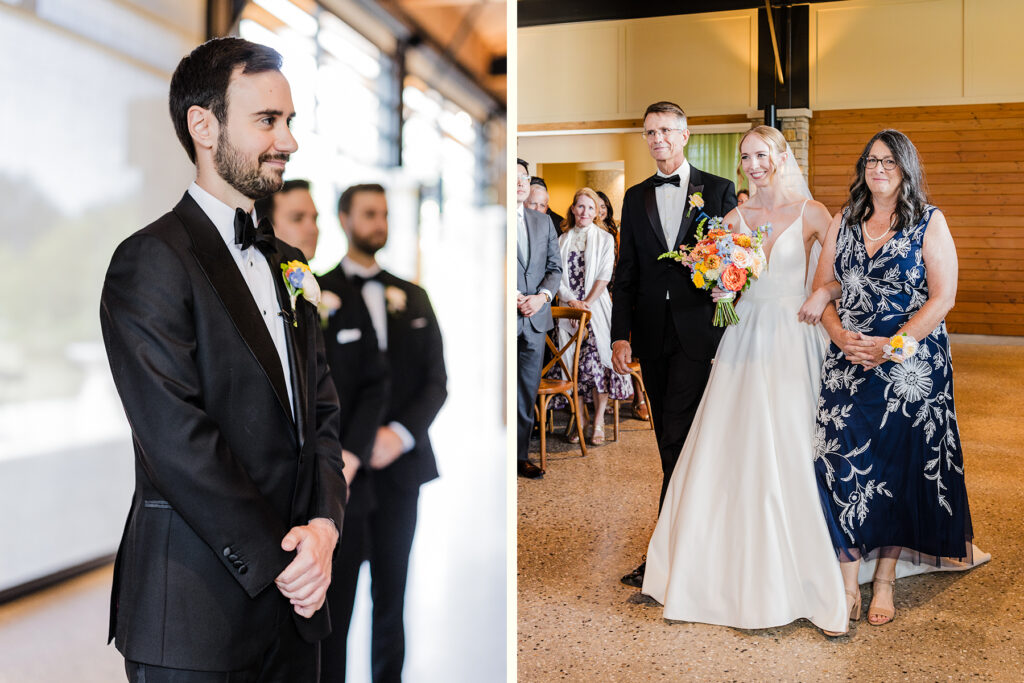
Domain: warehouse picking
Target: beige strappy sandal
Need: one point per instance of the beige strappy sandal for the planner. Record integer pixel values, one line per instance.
(887, 613)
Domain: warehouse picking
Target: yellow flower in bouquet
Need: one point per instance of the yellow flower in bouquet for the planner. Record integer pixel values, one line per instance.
(741, 240)
(698, 280)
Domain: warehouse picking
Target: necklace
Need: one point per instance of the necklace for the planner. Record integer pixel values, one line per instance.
(864, 229)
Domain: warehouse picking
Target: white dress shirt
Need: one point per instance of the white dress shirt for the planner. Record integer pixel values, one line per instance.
(255, 271)
(671, 202)
(373, 296)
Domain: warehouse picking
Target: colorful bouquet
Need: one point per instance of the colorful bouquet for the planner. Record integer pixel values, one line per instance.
(723, 258)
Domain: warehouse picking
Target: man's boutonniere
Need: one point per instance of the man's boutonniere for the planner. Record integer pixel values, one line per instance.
(298, 278)
(395, 298)
(330, 303)
(696, 201)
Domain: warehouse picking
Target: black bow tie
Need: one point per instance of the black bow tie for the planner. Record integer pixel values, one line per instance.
(247, 234)
(358, 280)
(659, 180)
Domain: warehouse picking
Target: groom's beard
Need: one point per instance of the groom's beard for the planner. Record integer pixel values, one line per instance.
(242, 174)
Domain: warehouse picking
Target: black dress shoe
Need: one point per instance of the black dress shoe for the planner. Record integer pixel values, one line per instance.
(529, 470)
(636, 577)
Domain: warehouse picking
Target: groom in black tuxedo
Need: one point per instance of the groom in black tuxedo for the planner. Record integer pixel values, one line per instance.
(227, 552)
(381, 527)
(657, 313)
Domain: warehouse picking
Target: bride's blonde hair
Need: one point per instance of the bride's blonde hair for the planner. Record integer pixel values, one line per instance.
(772, 137)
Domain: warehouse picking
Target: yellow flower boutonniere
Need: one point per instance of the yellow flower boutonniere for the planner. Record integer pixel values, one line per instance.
(298, 278)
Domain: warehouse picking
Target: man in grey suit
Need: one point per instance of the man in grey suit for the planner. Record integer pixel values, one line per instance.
(539, 272)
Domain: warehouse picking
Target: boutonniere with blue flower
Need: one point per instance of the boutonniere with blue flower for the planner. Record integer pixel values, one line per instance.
(298, 278)
(395, 298)
(696, 201)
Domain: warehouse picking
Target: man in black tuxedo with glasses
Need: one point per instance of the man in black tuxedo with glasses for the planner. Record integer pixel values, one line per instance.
(657, 313)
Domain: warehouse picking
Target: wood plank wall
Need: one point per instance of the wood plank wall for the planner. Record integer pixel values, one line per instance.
(974, 163)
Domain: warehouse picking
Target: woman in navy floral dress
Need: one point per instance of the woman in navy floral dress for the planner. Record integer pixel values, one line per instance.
(888, 458)
(588, 261)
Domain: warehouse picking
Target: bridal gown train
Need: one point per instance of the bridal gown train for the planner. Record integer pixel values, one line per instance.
(741, 539)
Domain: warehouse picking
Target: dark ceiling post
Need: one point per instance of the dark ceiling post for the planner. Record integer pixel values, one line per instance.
(221, 16)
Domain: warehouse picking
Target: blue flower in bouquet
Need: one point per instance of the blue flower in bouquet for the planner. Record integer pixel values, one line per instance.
(725, 247)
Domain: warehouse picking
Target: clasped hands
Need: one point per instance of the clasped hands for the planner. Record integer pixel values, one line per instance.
(861, 349)
(528, 304)
(305, 580)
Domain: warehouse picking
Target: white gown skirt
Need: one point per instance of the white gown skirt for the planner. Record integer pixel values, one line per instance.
(741, 540)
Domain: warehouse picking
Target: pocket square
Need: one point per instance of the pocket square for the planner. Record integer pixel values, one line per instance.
(349, 335)
(418, 323)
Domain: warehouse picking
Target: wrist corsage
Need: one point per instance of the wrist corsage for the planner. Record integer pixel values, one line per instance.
(899, 348)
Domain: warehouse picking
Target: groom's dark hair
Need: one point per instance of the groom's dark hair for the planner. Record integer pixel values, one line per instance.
(202, 78)
(665, 108)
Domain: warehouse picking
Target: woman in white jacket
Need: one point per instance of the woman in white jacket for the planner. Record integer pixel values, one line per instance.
(588, 259)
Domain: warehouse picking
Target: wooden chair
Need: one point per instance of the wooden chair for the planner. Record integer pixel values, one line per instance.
(549, 388)
(634, 370)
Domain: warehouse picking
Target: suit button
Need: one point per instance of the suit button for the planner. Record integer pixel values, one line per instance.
(232, 557)
(238, 563)
(243, 569)
(227, 551)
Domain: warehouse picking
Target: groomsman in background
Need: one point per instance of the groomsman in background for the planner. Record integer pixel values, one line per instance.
(357, 364)
(656, 311)
(539, 272)
(401, 458)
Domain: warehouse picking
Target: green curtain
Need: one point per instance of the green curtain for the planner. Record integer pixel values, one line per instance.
(717, 153)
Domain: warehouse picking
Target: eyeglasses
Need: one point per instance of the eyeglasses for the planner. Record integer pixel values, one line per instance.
(653, 134)
(888, 163)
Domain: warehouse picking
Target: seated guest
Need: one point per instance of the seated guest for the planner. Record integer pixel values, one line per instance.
(588, 259)
(741, 197)
(539, 199)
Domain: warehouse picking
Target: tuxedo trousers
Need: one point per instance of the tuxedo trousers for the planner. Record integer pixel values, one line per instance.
(530, 362)
(383, 537)
(675, 384)
(288, 659)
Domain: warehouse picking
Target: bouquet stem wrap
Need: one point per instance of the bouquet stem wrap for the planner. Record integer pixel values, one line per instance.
(725, 312)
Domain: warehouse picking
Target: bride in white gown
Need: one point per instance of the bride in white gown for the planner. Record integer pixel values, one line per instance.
(741, 540)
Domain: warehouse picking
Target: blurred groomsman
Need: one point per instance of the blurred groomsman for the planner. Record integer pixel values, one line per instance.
(357, 364)
(401, 458)
(539, 272)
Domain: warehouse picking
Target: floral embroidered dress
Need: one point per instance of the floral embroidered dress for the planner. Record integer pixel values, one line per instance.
(887, 449)
(587, 256)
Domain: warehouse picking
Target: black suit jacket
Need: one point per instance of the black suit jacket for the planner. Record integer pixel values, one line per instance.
(360, 372)
(223, 470)
(641, 280)
(418, 381)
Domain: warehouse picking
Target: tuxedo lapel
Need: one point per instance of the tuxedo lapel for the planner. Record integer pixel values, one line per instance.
(216, 263)
(297, 338)
(651, 205)
(696, 185)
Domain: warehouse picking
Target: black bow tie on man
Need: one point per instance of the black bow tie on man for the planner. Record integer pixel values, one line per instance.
(358, 280)
(247, 234)
(660, 180)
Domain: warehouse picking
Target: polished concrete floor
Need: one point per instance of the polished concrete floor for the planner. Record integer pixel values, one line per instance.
(589, 520)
